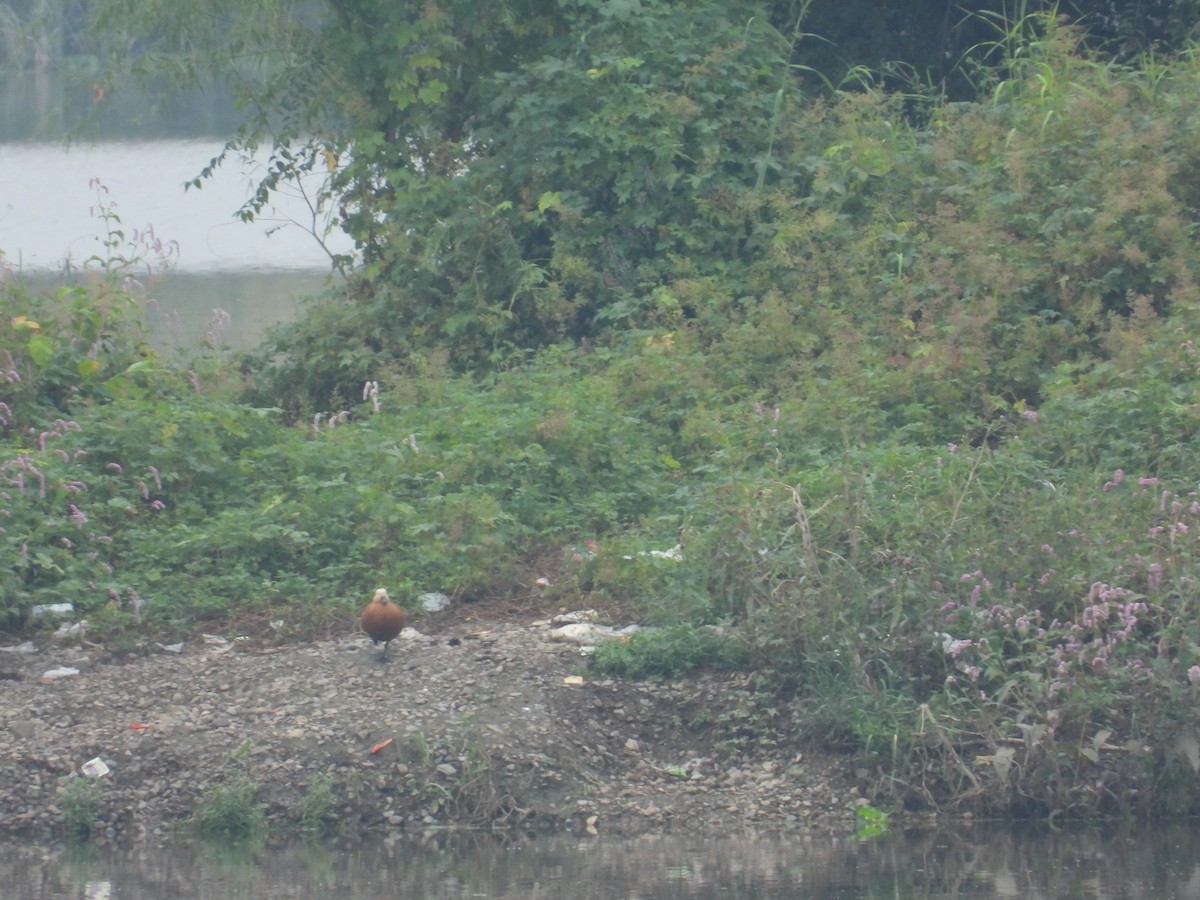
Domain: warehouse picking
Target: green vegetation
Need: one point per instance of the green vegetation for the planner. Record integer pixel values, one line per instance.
(912, 384)
(869, 823)
(230, 812)
(318, 814)
(79, 801)
(669, 651)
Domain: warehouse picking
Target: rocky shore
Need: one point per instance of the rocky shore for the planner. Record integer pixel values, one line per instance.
(472, 721)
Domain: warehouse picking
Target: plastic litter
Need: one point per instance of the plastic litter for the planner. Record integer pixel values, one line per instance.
(433, 601)
(675, 553)
(95, 768)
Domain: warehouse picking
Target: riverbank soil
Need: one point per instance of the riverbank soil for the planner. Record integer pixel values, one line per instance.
(481, 717)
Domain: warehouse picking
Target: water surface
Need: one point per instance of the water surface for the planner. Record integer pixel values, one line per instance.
(963, 862)
(122, 182)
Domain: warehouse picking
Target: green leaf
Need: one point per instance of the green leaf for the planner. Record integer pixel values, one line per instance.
(41, 349)
(432, 92)
(424, 61)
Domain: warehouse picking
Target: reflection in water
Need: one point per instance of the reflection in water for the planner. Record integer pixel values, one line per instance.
(144, 153)
(184, 310)
(965, 863)
(49, 104)
(257, 272)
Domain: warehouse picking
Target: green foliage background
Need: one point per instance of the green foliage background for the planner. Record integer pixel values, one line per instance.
(909, 380)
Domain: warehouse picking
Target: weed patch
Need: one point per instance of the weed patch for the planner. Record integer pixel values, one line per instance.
(79, 802)
(230, 812)
(670, 651)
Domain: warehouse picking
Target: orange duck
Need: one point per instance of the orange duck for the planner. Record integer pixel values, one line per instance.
(382, 620)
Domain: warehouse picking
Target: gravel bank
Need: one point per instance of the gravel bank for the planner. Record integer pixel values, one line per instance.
(471, 722)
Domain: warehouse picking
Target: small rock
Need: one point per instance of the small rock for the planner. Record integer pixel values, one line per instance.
(576, 617)
(580, 633)
(433, 601)
(59, 672)
(71, 629)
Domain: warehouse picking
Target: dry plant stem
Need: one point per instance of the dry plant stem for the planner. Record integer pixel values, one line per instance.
(940, 734)
(803, 521)
(963, 494)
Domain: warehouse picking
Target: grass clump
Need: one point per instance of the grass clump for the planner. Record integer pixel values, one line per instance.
(79, 803)
(317, 813)
(230, 812)
(670, 651)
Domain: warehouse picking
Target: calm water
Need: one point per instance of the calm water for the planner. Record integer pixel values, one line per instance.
(49, 213)
(50, 204)
(964, 863)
